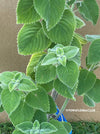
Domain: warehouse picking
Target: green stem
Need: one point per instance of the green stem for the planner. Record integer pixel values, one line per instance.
(54, 94)
(62, 108)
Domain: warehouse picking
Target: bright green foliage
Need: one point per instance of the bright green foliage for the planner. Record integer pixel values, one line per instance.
(10, 100)
(62, 60)
(94, 93)
(35, 128)
(60, 128)
(25, 127)
(53, 108)
(17, 132)
(94, 52)
(89, 9)
(35, 58)
(66, 91)
(50, 11)
(88, 101)
(91, 38)
(62, 33)
(67, 126)
(6, 77)
(68, 75)
(31, 39)
(70, 51)
(26, 13)
(82, 40)
(71, 2)
(87, 80)
(45, 74)
(76, 42)
(50, 58)
(38, 100)
(40, 116)
(23, 113)
(48, 86)
(79, 23)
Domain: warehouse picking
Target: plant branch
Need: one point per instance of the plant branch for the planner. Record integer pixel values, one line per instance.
(62, 108)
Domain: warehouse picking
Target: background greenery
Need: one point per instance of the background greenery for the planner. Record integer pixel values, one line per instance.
(78, 128)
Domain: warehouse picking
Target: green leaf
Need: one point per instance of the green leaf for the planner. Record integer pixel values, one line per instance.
(94, 52)
(34, 60)
(1, 109)
(63, 90)
(68, 75)
(68, 126)
(88, 101)
(53, 108)
(40, 116)
(62, 60)
(76, 43)
(91, 38)
(90, 10)
(31, 39)
(70, 2)
(25, 127)
(47, 128)
(45, 74)
(50, 11)
(60, 128)
(27, 85)
(87, 80)
(36, 125)
(48, 86)
(38, 100)
(6, 77)
(50, 58)
(81, 39)
(23, 113)
(17, 132)
(10, 100)
(0, 101)
(70, 51)
(26, 13)
(79, 22)
(94, 93)
(62, 33)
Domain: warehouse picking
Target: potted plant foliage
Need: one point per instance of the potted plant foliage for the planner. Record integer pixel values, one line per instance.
(49, 35)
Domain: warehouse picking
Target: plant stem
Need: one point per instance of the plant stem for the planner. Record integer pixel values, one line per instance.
(62, 108)
(54, 94)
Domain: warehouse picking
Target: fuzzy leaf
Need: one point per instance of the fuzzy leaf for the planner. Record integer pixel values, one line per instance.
(94, 52)
(38, 100)
(91, 38)
(26, 13)
(53, 108)
(31, 39)
(79, 22)
(87, 80)
(50, 58)
(34, 60)
(10, 100)
(62, 33)
(90, 10)
(23, 113)
(88, 101)
(6, 77)
(68, 126)
(63, 90)
(47, 128)
(49, 10)
(17, 132)
(40, 116)
(69, 74)
(70, 51)
(94, 93)
(60, 128)
(45, 74)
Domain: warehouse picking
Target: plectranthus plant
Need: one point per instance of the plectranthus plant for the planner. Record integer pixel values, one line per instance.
(49, 34)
